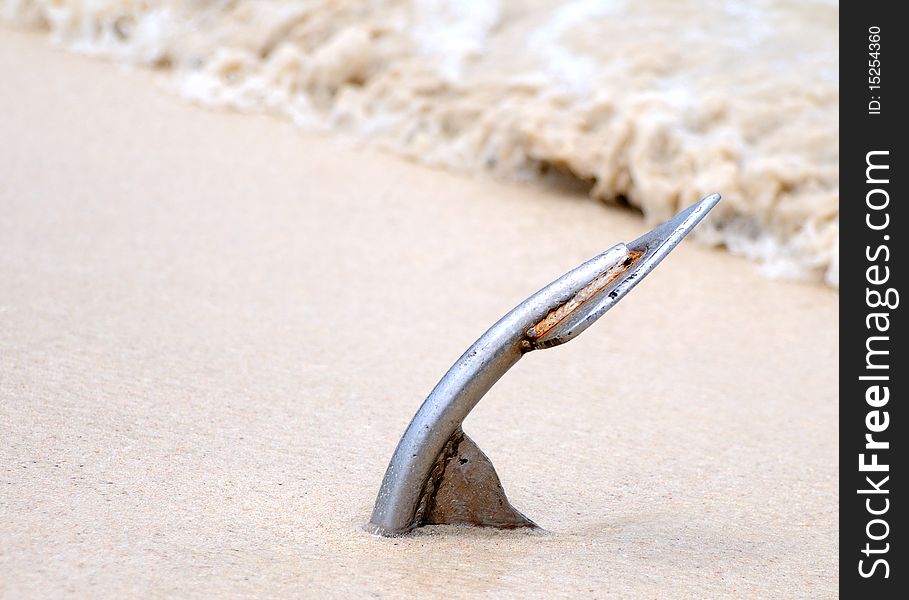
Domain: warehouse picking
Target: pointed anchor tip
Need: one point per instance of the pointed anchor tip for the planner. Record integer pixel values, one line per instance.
(666, 236)
(707, 203)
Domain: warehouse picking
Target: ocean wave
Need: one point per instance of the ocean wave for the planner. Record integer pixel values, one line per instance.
(651, 103)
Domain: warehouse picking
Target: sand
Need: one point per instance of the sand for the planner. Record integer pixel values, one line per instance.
(214, 329)
(655, 103)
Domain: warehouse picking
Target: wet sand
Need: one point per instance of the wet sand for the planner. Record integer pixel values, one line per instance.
(214, 329)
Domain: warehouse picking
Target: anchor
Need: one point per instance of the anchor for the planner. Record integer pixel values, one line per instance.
(439, 476)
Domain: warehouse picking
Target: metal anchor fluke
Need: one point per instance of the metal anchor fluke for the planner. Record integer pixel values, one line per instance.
(437, 475)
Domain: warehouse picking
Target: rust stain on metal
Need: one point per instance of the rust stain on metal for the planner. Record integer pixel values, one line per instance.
(464, 489)
(589, 291)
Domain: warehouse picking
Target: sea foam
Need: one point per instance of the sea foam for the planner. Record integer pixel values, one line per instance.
(651, 103)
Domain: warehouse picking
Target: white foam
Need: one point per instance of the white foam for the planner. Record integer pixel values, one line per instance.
(659, 103)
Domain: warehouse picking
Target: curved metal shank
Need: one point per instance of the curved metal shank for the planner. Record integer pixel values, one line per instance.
(552, 316)
(461, 388)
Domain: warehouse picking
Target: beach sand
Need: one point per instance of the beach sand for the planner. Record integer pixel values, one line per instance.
(214, 329)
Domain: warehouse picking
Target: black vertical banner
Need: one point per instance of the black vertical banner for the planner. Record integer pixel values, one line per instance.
(873, 367)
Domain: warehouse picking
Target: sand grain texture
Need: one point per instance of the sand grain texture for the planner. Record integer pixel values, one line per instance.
(213, 330)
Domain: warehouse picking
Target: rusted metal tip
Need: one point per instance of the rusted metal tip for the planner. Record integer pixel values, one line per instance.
(645, 254)
(590, 293)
